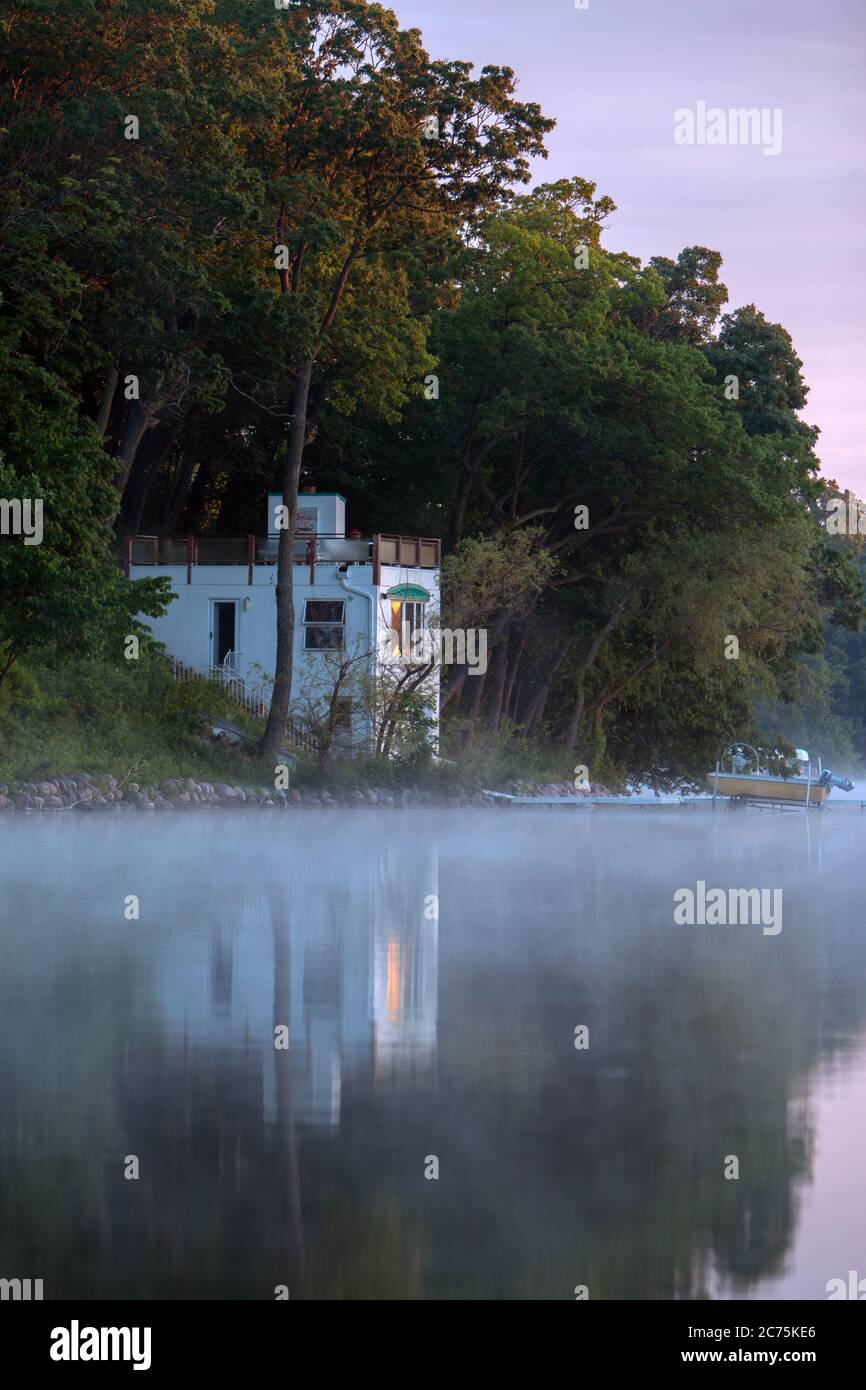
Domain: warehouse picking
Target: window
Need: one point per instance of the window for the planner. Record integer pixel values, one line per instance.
(324, 627)
(406, 620)
(343, 715)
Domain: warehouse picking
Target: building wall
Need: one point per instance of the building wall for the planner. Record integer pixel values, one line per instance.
(186, 628)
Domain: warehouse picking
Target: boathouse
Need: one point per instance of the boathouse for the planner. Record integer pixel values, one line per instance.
(364, 594)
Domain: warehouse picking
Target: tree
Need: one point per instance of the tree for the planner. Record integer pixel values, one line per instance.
(358, 178)
(66, 590)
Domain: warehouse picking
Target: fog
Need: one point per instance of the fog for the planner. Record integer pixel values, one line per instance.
(509, 1071)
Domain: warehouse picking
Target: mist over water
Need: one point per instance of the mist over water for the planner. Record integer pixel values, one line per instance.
(412, 1037)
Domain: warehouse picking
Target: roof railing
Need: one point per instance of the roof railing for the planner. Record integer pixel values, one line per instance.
(405, 552)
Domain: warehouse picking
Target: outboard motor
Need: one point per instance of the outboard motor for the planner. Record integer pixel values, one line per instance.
(830, 779)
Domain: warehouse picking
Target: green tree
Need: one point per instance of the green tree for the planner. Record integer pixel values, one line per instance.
(359, 178)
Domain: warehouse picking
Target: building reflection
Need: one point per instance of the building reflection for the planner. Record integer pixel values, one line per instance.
(347, 959)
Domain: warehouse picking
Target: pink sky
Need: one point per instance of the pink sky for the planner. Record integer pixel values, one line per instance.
(791, 228)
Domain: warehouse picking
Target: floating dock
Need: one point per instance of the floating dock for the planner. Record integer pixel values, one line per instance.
(567, 803)
(554, 803)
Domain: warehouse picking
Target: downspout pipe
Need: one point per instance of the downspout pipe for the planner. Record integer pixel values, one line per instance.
(371, 600)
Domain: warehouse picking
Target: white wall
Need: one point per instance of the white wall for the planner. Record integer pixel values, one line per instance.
(186, 627)
(329, 507)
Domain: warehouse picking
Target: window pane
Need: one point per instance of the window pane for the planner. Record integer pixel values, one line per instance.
(324, 611)
(320, 639)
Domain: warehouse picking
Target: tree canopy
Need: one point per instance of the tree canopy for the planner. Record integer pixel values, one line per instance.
(238, 244)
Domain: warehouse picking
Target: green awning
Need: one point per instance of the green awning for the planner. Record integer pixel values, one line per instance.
(416, 593)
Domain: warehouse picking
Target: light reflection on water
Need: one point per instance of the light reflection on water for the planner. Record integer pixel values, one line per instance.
(412, 1037)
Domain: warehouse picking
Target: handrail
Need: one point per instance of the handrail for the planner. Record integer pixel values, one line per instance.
(323, 547)
(254, 697)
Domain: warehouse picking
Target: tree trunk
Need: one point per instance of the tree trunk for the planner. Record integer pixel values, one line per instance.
(103, 415)
(466, 482)
(190, 515)
(533, 714)
(138, 421)
(453, 691)
(182, 485)
(275, 728)
(7, 665)
(594, 648)
(614, 691)
(464, 487)
(497, 685)
(577, 715)
(517, 700)
(474, 709)
(147, 466)
(538, 707)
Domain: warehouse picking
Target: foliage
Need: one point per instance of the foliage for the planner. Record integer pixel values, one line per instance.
(89, 714)
(253, 290)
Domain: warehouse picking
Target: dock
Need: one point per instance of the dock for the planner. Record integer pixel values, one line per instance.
(555, 803)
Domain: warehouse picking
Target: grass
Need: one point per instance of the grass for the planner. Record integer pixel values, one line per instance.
(103, 718)
(131, 720)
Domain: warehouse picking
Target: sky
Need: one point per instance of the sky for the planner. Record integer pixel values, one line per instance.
(790, 226)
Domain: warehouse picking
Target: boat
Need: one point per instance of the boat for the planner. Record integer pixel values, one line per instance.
(744, 777)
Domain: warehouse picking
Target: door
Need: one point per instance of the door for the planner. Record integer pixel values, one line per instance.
(223, 630)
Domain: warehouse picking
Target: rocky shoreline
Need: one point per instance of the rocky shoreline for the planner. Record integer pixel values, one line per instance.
(82, 792)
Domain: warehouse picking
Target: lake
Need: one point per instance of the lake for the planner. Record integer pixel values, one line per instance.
(509, 1073)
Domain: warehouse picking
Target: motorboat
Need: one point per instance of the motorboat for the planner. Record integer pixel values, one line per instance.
(743, 775)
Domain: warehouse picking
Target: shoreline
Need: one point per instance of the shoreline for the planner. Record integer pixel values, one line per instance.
(88, 793)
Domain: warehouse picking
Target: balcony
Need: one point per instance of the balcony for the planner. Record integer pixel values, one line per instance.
(407, 552)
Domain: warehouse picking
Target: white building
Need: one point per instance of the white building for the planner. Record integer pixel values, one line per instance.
(351, 594)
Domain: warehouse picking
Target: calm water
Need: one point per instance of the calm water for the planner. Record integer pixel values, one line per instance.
(413, 1038)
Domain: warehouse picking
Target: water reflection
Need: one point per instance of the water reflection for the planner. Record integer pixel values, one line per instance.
(414, 1034)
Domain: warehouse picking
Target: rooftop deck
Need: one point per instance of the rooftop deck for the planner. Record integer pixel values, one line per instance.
(161, 552)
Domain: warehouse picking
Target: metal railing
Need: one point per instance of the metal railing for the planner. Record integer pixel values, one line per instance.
(253, 696)
(407, 552)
